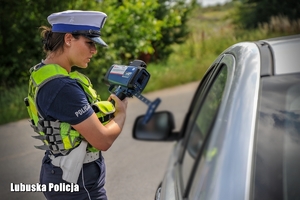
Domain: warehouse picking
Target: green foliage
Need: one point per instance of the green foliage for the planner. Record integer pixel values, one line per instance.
(138, 30)
(130, 27)
(12, 104)
(20, 41)
(250, 13)
(174, 30)
(133, 28)
(211, 33)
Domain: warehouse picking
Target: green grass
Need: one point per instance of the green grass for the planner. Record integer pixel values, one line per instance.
(12, 106)
(211, 33)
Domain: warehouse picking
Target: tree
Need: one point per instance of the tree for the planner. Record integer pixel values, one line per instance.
(136, 28)
(20, 41)
(133, 28)
(146, 28)
(250, 13)
(174, 15)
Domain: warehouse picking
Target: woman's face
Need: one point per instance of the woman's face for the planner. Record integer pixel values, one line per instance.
(81, 51)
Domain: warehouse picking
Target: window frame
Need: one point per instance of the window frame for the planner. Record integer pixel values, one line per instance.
(197, 103)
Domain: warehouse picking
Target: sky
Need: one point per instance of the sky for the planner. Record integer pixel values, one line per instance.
(212, 2)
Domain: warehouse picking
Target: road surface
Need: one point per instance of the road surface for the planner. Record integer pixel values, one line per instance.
(134, 168)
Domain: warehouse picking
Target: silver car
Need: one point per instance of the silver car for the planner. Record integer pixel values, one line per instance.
(240, 139)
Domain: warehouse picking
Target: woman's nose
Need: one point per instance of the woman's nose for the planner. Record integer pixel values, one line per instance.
(94, 50)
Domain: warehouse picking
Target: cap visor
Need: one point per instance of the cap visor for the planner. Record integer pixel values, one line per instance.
(98, 40)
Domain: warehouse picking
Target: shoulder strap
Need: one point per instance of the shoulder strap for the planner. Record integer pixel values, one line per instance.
(87, 86)
(47, 73)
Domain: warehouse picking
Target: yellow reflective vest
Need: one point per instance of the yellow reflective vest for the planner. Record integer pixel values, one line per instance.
(60, 136)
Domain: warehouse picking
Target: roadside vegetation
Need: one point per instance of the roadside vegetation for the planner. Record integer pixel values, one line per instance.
(211, 31)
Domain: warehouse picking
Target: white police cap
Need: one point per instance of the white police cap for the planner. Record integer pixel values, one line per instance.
(86, 23)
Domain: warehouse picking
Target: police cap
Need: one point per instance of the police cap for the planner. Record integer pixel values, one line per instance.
(86, 23)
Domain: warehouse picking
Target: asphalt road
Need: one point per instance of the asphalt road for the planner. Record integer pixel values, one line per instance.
(134, 168)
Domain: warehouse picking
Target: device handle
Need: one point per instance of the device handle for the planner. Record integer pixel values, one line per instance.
(138, 63)
(121, 96)
(119, 93)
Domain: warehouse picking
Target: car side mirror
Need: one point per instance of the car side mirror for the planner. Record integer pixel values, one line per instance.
(158, 128)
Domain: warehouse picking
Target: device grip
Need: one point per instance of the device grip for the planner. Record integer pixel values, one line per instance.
(120, 95)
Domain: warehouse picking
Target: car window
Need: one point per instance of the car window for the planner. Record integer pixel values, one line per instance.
(277, 146)
(204, 119)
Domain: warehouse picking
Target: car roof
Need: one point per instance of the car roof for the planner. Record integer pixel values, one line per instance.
(285, 54)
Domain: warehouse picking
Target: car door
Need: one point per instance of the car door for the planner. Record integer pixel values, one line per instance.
(203, 112)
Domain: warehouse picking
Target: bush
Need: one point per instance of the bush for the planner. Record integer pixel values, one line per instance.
(134, 27)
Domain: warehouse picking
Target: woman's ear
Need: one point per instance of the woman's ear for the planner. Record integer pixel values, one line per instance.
(68, 39)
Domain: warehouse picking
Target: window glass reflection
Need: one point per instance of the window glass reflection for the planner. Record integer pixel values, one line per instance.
(277, 153)
(203, 122)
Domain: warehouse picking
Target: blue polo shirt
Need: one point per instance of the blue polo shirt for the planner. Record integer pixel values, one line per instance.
(63, 99)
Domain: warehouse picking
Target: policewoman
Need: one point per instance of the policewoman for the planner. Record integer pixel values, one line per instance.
(74, 124)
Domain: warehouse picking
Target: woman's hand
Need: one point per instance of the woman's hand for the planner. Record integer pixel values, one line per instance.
(120, 105)
(99, 136)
